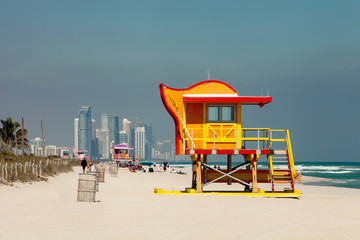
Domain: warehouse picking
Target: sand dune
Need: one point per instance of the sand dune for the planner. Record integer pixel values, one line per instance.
(128, 209)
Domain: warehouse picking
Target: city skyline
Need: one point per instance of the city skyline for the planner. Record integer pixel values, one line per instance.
(161, 150)
(98, 142)
(138, 135)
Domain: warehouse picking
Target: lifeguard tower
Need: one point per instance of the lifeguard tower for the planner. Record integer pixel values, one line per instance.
(121, 155)
(207, 119)
(82, 155)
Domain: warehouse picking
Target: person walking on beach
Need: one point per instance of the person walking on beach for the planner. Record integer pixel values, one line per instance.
(84, 164)
(165, 165)
(90, 165)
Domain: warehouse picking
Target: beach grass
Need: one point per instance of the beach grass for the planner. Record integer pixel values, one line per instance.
(31, 168)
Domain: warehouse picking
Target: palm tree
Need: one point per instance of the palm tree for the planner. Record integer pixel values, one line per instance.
(7, 134)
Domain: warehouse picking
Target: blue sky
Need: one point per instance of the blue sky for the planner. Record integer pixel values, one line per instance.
(58, 55)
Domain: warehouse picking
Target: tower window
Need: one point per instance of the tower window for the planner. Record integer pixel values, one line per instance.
(221, 113)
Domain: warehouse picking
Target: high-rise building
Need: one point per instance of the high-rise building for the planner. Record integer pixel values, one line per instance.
(94, 143)
(126, 126)
(111, 123)
(102, 136)
(76, 135)
(149, 142)
(35, 144)
(124, 137)
(132, 141)
(85, 130)
(140, 141)
(93, 131)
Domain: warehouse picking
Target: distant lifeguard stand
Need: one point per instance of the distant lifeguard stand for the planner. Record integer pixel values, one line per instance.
(66, 155)
(82, 155)
(207, 119)
(121, 155)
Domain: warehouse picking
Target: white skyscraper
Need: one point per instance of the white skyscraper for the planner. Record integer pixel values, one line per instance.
(140, 140)
(126, 126)
(76, 135)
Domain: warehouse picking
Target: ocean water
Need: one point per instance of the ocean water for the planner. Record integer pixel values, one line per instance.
(338, 174)
(341, 174)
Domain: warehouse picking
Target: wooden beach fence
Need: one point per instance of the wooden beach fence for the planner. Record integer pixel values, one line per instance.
(11, 172)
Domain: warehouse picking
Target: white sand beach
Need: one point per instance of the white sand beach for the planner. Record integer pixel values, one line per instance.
(127, 208)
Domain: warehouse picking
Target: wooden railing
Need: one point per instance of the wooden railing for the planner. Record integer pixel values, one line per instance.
(122, 156)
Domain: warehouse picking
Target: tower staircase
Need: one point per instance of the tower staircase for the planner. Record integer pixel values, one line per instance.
(281, 165)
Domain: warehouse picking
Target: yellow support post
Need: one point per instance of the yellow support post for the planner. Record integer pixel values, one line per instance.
(254, 174)
(198, 174)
